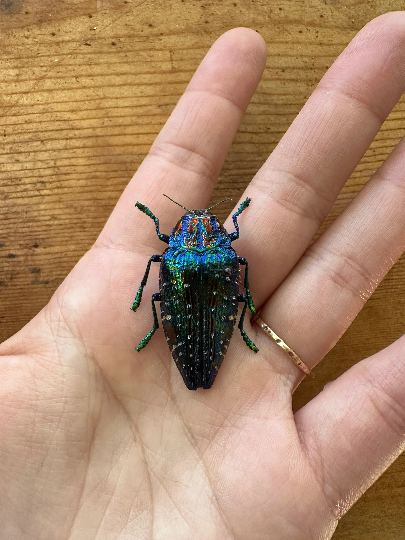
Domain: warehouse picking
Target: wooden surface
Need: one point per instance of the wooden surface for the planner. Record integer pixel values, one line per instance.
(85, 87)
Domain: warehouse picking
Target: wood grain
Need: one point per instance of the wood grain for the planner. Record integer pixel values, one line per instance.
(85, 88)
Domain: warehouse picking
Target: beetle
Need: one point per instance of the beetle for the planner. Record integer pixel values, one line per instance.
(198, 293)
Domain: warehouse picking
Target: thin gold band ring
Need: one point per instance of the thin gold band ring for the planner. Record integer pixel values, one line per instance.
(294, 357)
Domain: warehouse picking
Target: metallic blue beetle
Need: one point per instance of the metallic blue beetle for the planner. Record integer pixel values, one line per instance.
(199, 293)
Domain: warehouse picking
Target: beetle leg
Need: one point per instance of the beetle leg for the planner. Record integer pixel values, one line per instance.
(246, 339)
(146, 211)
(157, 297)
(244, 262)
(138, 297)
(242, 206)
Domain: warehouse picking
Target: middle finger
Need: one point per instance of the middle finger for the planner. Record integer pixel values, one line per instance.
(295, 189)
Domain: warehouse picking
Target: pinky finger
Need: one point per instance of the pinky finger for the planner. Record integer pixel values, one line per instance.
(354, 429)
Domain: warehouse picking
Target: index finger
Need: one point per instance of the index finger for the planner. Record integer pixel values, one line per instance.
(186, 158)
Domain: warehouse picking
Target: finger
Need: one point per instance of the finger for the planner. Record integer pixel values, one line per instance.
(186, 158)
(295, 189)
(355, 428)
(323, 294)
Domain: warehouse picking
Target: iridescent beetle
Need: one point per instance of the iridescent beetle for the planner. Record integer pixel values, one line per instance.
(199, 293)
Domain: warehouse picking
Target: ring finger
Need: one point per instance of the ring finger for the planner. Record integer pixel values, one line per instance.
(323, 294)
(295, 189)
(319, 299)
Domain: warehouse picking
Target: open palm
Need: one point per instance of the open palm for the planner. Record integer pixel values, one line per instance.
(100, 442)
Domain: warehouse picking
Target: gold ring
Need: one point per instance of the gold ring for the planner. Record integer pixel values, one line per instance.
(294, 357)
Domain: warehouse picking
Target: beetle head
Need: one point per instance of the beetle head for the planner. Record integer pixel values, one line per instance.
(199, 232)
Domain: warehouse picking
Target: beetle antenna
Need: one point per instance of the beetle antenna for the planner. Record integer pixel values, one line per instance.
(178, 204)
(216, 204)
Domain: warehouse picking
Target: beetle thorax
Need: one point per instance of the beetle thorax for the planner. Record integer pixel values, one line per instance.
(199, 232)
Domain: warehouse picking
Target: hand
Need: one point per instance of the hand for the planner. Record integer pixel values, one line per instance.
(101, 442)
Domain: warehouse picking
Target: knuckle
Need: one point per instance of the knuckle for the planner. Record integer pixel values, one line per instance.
(344, 270)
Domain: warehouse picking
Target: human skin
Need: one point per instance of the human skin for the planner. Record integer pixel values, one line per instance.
(100, 442)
